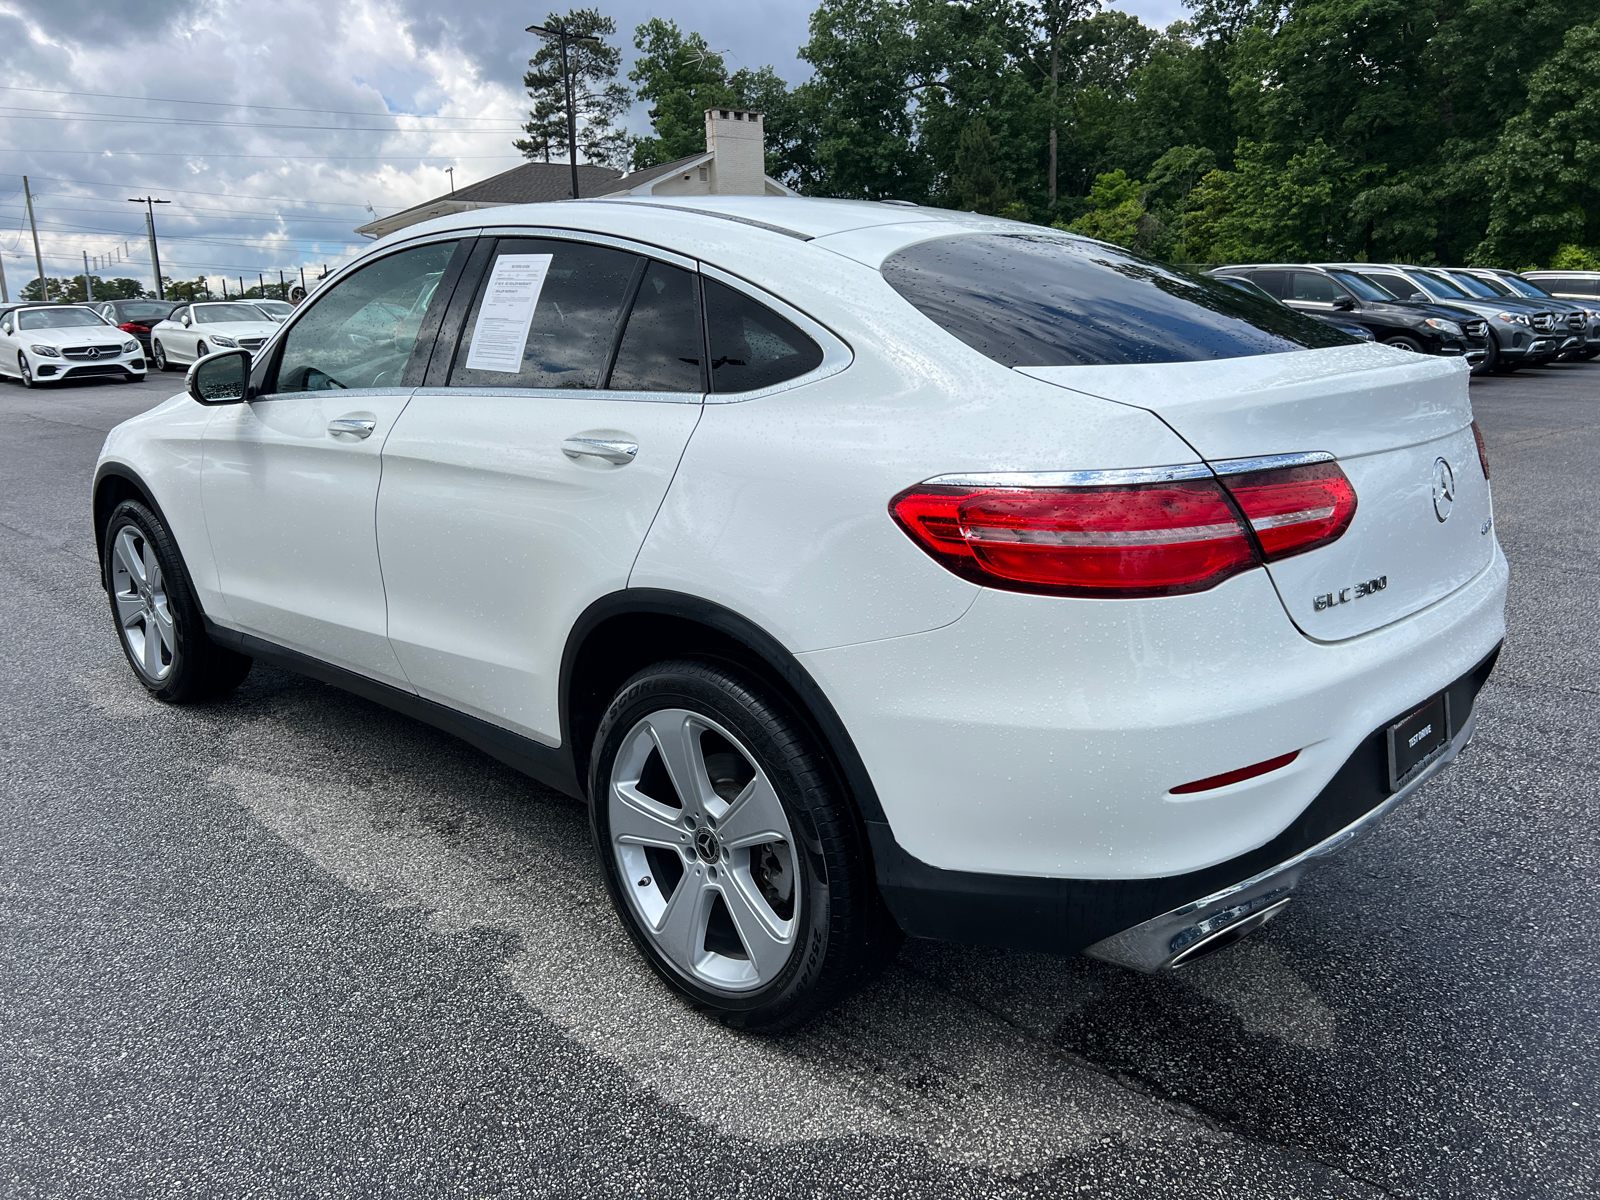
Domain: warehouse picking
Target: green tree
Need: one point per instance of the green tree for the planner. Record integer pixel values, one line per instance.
(680, 76)
(1545, 168)
(598, 98)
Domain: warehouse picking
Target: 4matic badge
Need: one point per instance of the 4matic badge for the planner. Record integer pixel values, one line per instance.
(1353, 592)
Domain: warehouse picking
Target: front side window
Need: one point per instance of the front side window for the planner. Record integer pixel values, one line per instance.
(1402, 287)
(1315, 289)
(545, 316)
(1042, 300)
(1362, 286)
(57, 318)
(1443, 286)
(752, 346)
(362, 331)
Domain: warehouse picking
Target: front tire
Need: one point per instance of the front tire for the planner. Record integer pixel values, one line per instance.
(1491, 357)
(158, 622)
(200, 351)
(158, 355)
(26, 371)
(1405, 341)
(730, 850)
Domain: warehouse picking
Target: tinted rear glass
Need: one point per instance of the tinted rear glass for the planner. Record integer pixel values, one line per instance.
(1037, 300)
(752, 346)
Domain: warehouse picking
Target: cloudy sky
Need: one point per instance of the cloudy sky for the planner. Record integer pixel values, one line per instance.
(272, 125)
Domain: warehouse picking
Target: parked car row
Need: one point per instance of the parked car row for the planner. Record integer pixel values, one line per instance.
(1498, 320)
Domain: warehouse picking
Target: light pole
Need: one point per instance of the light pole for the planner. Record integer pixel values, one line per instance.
(38, 259)
(559, 32)
(88, 285)
(451, 171)
(149, 203)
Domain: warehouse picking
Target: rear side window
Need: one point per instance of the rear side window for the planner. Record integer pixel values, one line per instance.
(578, 292)
(752, 346)
(660, 349)
(1035, 300)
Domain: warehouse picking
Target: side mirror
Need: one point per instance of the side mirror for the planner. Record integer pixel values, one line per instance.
(1419, 298)
(185, 318)
(221, 377)
(1345, 303)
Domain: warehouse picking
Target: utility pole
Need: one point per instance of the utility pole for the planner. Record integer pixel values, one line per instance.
(5, 292)
(559, 32)
(38, 259)
(149, 203)
(451, 171)
(88, 283)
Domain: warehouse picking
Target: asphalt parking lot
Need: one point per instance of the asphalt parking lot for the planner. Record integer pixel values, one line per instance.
(294, 945)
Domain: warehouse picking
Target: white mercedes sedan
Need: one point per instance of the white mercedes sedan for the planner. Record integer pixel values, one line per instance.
(192, 331)
(866, 570)
(53, 343)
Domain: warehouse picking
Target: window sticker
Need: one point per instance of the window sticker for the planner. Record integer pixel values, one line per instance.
(500, 334)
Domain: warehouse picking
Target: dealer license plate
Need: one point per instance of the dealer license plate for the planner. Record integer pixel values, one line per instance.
(1417, 739)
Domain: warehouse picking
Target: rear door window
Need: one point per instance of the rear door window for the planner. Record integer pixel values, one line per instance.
(752, 346)
(1043, 300)
(578, 292)
(663, 344)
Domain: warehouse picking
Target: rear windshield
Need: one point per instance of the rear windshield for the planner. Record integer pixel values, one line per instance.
(1042, 300)
(133, 312)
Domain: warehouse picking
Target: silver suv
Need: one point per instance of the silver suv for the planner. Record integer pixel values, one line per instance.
(1583, 315)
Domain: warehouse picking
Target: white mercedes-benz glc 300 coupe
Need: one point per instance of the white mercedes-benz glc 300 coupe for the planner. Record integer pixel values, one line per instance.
(865, 569)
(56, 342)
(192, 331)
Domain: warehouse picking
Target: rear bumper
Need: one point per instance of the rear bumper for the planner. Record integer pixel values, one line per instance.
(1149, 924)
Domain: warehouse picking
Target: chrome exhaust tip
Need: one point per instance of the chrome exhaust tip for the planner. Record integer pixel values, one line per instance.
(1221, 939)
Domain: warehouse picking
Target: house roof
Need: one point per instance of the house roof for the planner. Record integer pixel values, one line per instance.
(630, 181)
(530, 183)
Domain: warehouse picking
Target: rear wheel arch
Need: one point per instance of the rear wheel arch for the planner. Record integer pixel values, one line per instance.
(626, 631)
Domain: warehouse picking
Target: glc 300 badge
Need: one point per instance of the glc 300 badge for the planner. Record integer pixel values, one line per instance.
(1353, 592)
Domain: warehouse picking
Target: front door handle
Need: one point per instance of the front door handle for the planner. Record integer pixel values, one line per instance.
(361, 427)
(618, 453)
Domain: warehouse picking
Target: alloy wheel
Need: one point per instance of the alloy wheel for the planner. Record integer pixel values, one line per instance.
(27, 371)
(144, 614)
(705, 851)
(158, 352)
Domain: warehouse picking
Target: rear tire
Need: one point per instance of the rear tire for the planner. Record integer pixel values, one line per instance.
(158, 622)
(731, 853)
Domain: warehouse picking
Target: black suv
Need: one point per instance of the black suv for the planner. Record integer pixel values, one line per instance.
(136, 316)
(1423, 328)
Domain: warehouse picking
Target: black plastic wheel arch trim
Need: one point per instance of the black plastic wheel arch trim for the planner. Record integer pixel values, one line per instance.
(1064, 916)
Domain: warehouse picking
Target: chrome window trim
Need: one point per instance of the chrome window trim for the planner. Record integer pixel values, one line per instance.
(629, 245)
(563, 394)
(1270, 462)
(836, 353)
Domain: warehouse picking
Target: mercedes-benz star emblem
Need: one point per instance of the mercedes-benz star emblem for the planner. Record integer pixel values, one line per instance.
(93, 352)
(1444, 489)
(706, 843)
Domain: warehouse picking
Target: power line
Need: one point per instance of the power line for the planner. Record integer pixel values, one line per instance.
(280, 157)
(120, 187)
(337, 112)
(53, 114)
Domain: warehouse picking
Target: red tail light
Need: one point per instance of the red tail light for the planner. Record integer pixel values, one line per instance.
(130, 327)
(1139, 539)
(1158, 539)
(1294, 509)
(1483, 451)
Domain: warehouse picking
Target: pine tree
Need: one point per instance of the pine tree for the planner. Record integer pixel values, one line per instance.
(598, 98)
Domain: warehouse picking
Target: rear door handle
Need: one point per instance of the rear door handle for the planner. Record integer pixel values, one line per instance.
(619, 453)
(361, 427)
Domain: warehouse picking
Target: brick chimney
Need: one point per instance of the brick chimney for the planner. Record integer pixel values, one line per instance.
(738, 140)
